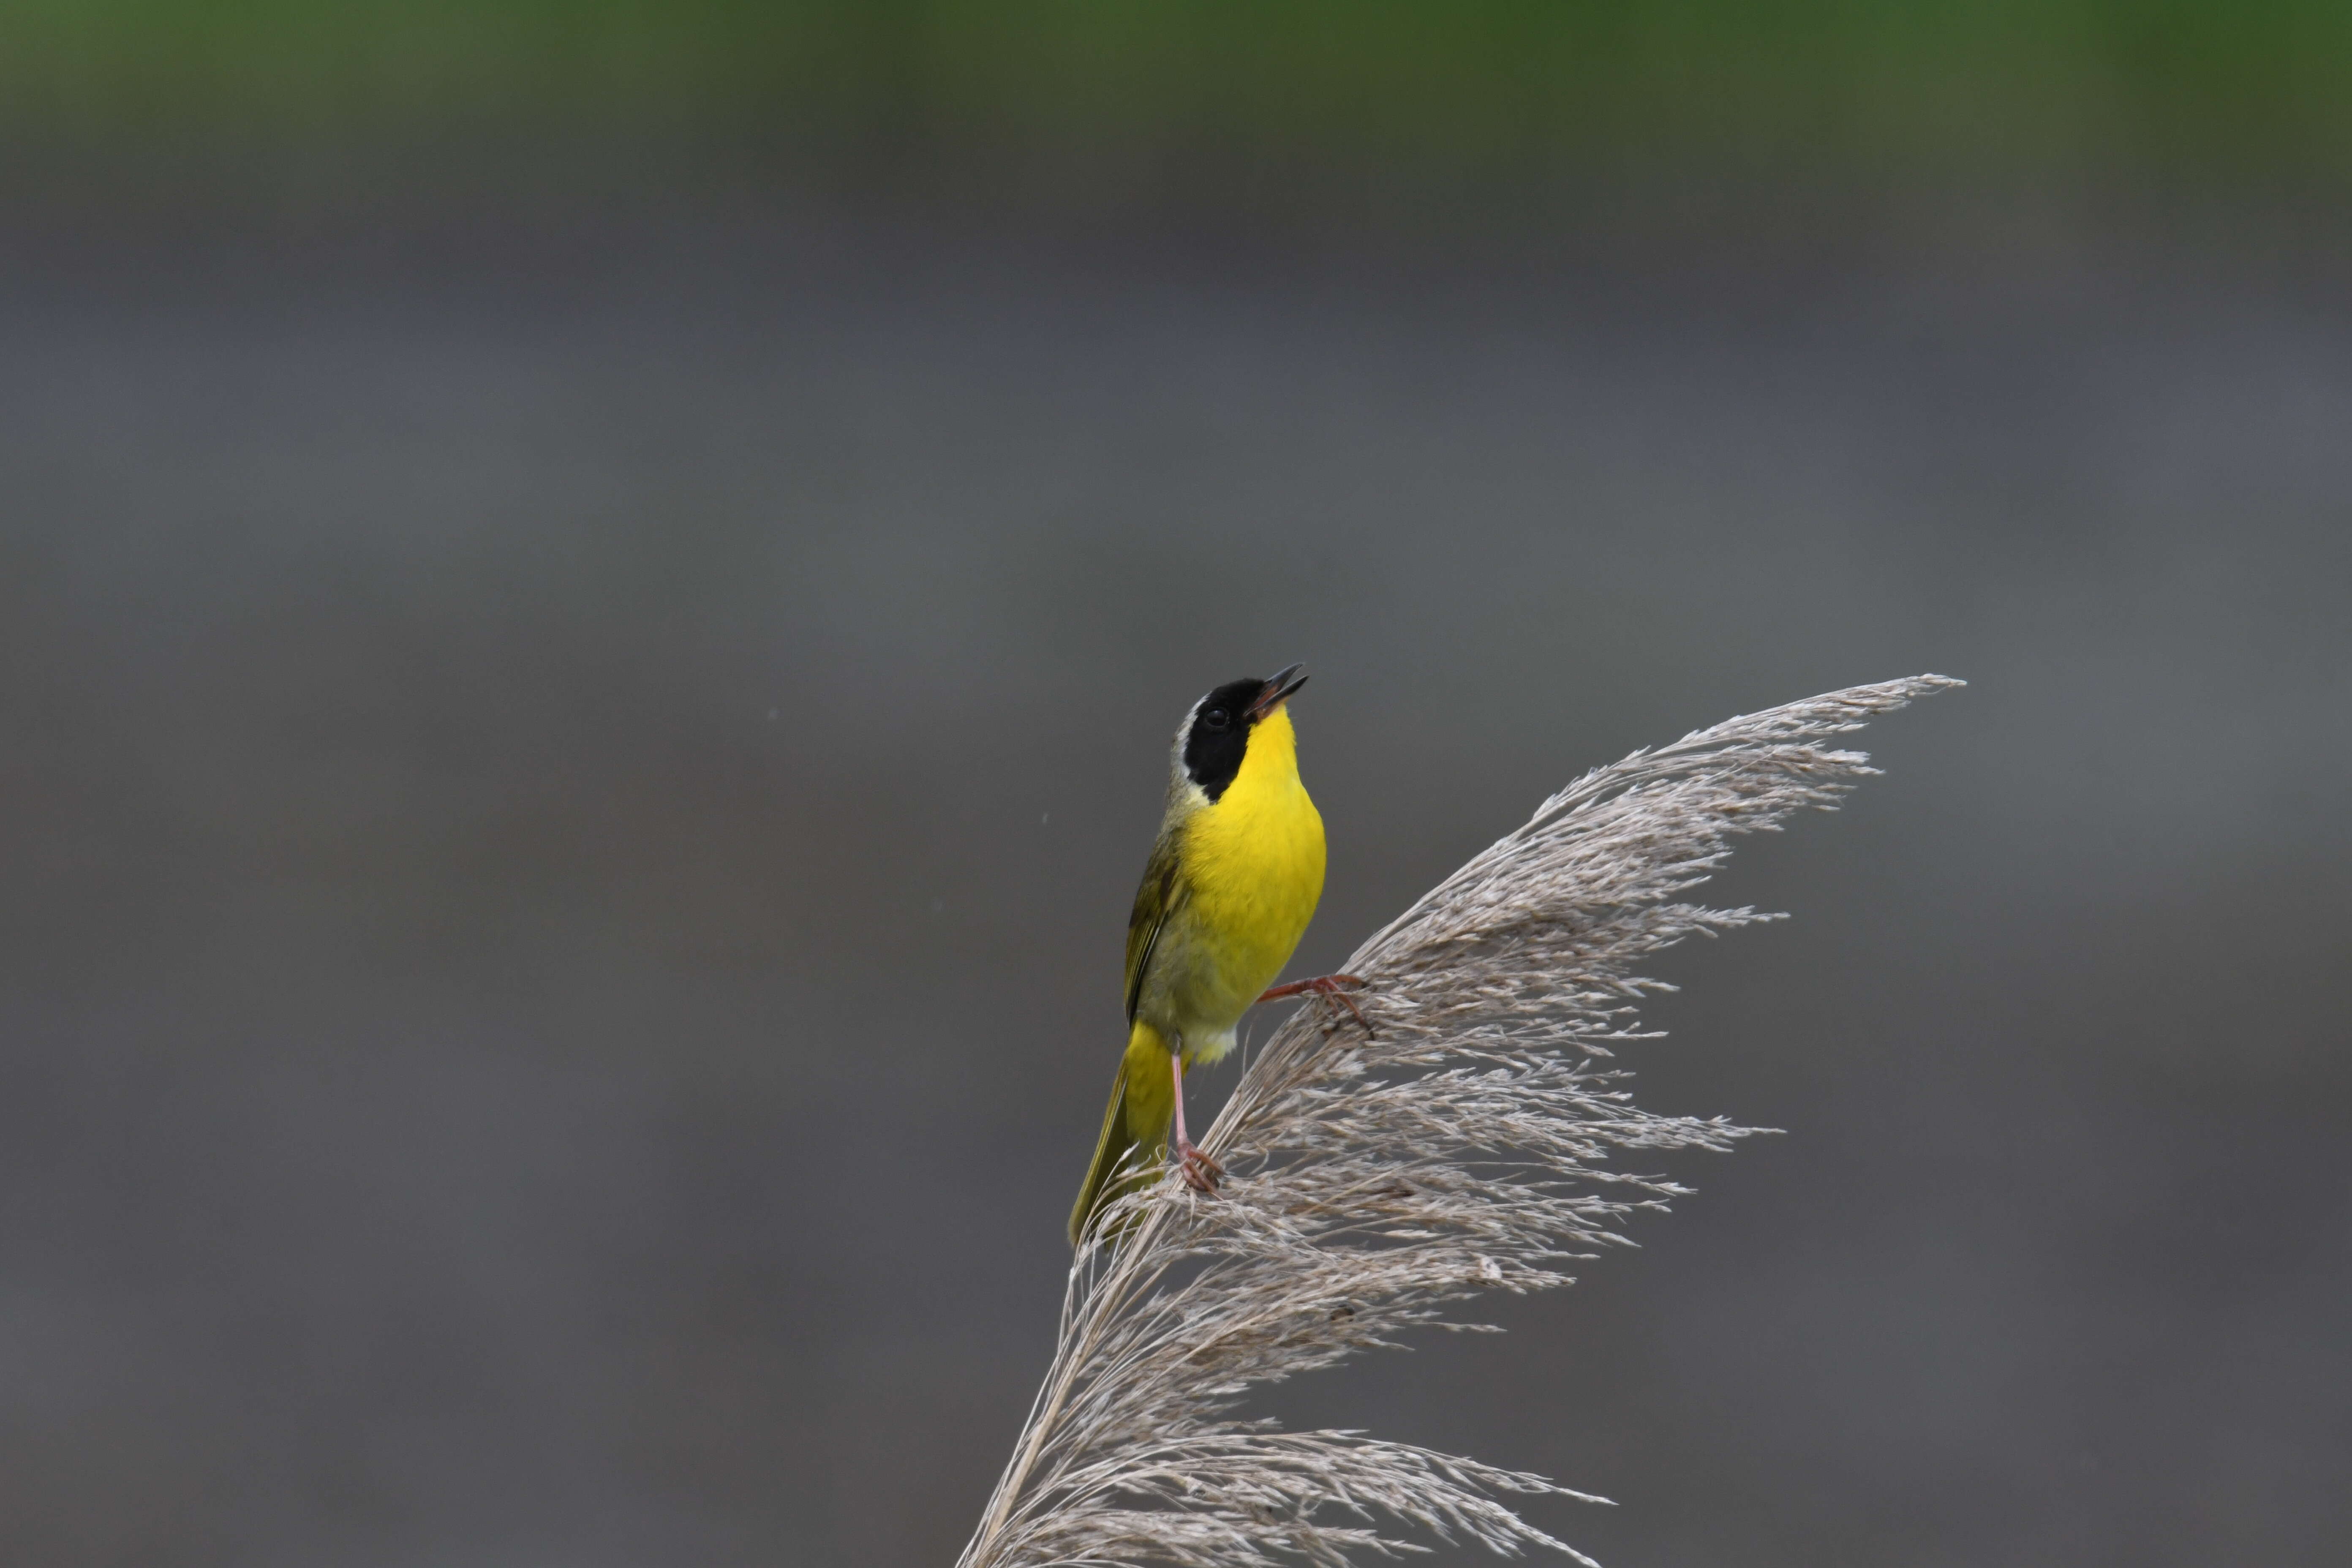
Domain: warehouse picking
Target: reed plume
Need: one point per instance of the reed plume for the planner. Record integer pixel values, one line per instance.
(1472, 1143)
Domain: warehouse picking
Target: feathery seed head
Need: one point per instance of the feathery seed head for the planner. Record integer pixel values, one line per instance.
(1373, 1184)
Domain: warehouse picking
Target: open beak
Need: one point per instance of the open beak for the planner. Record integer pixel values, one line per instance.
(1276, 693)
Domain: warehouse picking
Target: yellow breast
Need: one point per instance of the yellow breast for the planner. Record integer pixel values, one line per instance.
(1255, 862)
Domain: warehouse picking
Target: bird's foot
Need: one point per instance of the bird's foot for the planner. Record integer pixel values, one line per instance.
(1334, 986)
(1201, 1172)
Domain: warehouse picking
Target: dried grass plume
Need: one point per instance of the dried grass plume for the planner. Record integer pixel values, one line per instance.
(1473, 1144)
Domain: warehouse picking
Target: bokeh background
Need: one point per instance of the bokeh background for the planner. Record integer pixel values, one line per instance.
(591, 598)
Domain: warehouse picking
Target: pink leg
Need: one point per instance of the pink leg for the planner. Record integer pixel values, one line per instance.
(1201, 1172)
(1334, 986)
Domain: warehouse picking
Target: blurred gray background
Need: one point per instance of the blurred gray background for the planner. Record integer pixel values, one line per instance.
(574, 769)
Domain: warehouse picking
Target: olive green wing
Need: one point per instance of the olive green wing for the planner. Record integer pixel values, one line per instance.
(1156, 899)
(1112, 1172)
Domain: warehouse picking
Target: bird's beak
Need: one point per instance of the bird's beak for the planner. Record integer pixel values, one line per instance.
(1276, 693)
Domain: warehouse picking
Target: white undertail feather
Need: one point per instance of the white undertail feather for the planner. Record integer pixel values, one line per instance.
(1471, 1146)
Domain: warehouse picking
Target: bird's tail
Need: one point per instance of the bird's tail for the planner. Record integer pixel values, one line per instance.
(1135, 1126)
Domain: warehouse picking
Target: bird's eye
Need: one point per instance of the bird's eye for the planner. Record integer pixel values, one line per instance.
(1216, 718)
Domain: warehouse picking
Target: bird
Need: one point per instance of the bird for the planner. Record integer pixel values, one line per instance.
(1232, 882)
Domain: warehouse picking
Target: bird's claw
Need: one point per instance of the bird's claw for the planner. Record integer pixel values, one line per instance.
(1334, 986)
(1201, 1172)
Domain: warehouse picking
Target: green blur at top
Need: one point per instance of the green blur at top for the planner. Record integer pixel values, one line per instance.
(2090, 83)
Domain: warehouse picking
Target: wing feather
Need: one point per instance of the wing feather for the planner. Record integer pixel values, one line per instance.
(1155, 897)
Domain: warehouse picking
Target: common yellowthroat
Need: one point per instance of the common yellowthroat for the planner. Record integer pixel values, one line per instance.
(1232, 882)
